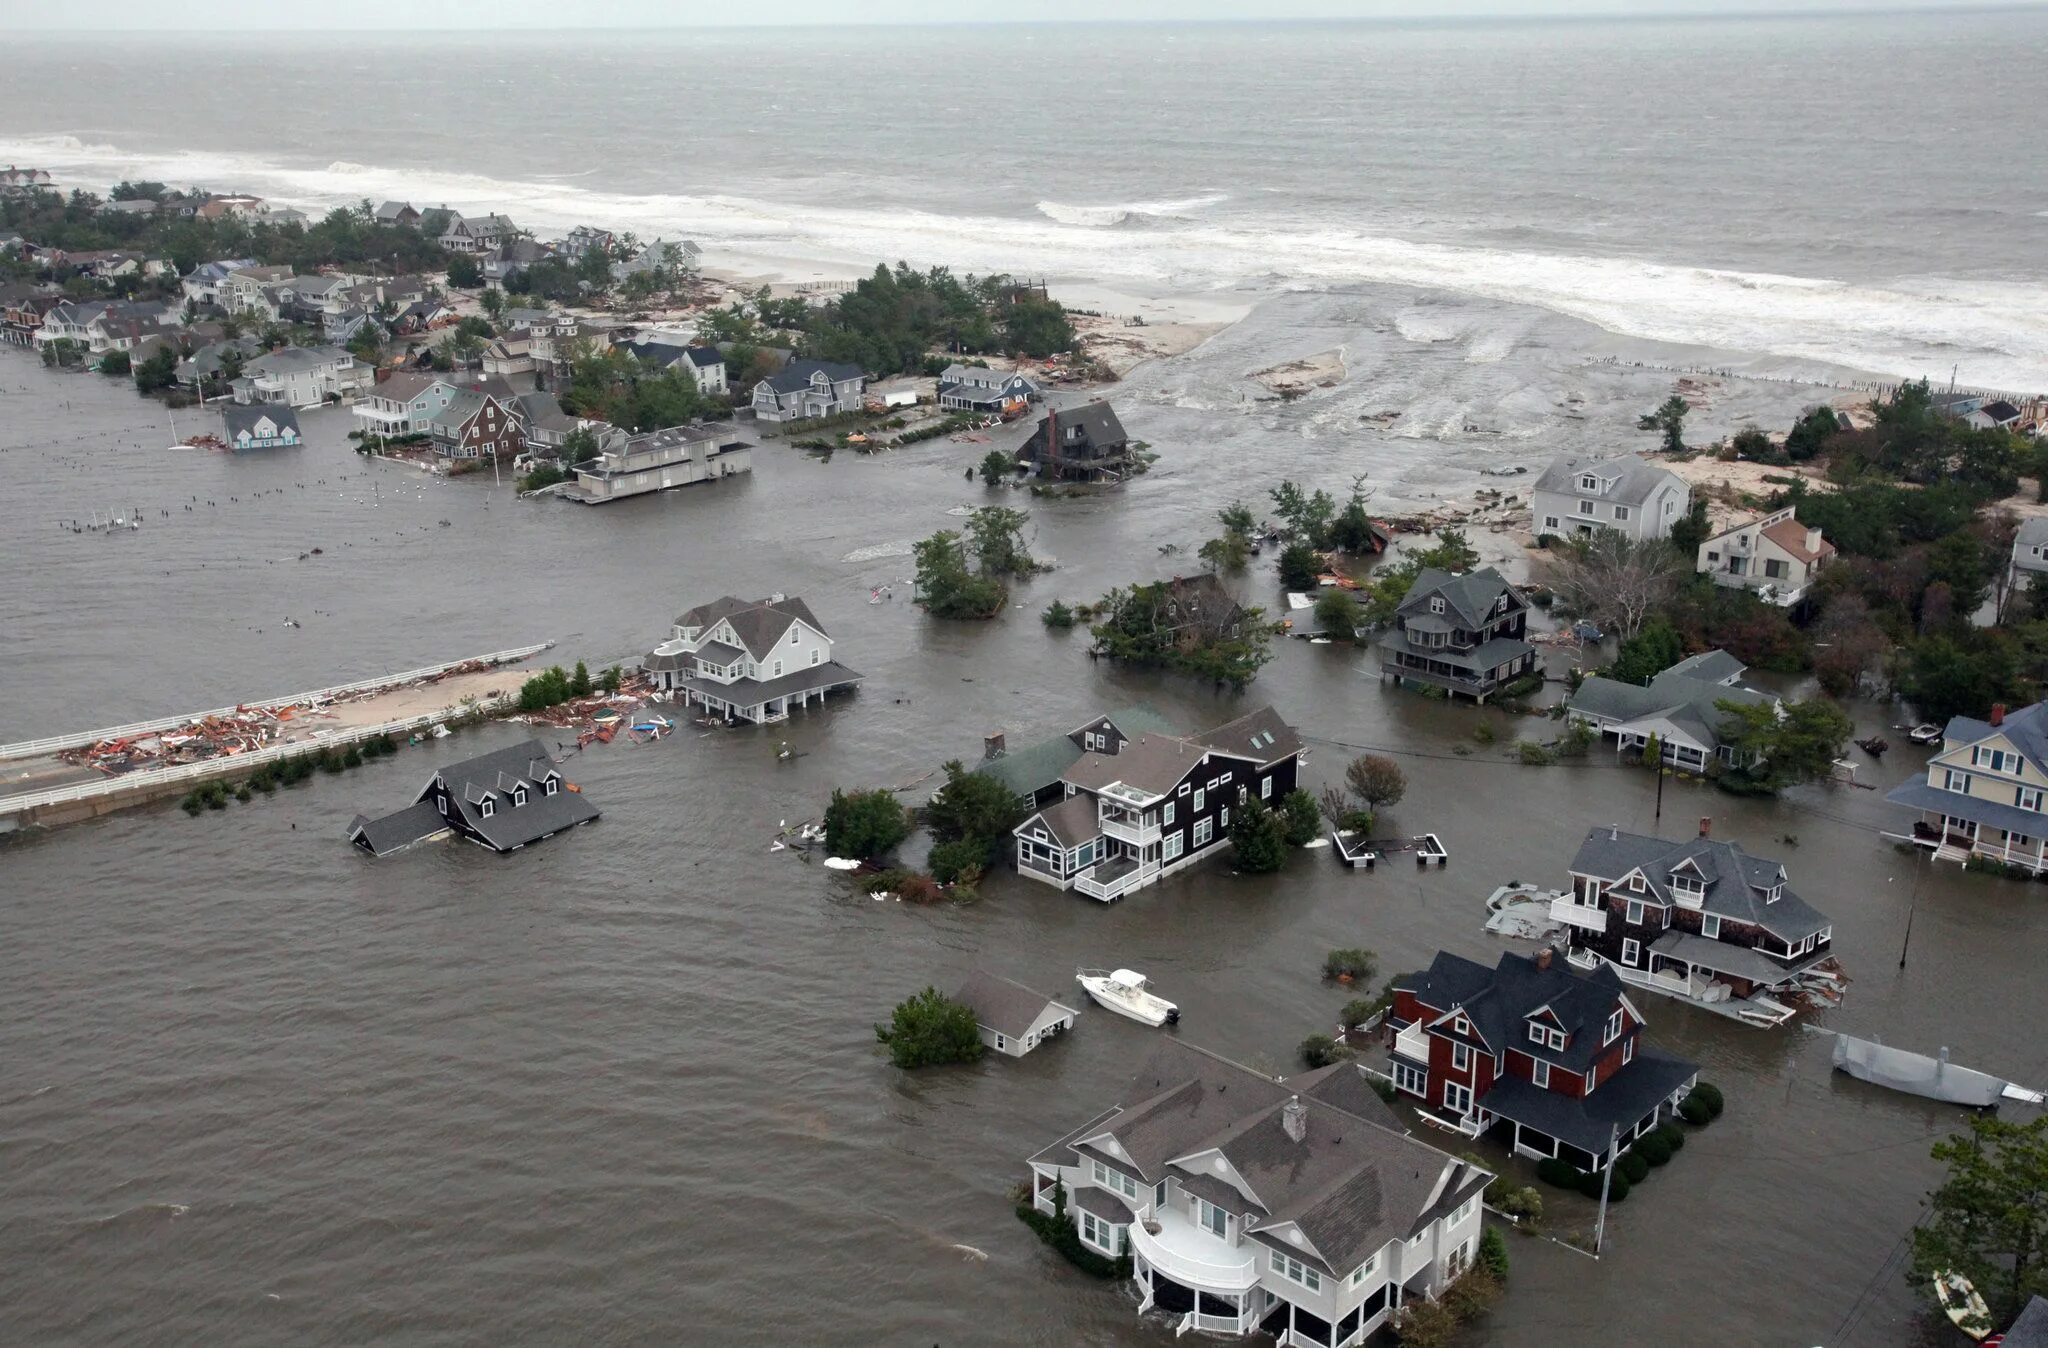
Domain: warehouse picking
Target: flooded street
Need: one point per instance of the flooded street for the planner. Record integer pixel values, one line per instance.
(623, 1087)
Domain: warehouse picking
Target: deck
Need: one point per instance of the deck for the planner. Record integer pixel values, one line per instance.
(1353, 851)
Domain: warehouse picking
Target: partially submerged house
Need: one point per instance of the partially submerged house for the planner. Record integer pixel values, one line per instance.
(1984, 790)
(1679, 708)
(1033, 771)
(1134, 810)
(977, 388)
(1012, 1018)
(300, 376)
(476, 425)
(748, 660)
(505, 800)
(1774, 555)
(1297, 1208)
(806, 389)
(1079, 444)
(259, 426)
(703, 364)
(675, 456)
(1546, 1056)
(1461, 633)
(1699, 920)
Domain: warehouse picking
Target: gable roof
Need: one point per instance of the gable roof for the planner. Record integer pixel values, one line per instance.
(1036, 766)
(494, 774)
(1686, 695)
(1071, 820)
(239, 417)
(2026, 730)
(1260, 736)
(1790, 535)
(1097, 420)
(1004, 1006)
(1733, 878)
(1632, 478)
(796, 376)
(1498, 1002)
(1156, 763)
(1471, 596)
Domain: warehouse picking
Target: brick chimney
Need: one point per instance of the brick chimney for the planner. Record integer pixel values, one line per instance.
(1543, 958)
(993, 746)
(1706, 826)
(1998, 713)
(1294, 1118)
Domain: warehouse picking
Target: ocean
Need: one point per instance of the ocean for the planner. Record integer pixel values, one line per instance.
(623, 1088)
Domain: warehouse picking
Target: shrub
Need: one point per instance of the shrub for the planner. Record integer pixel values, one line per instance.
(1710, 1095)
(1556, 1173)
(1355, 964)
(1384, 1088)
(1425, 1324)
(961, 859)
(353, 758)
(1635, 1167)
(863, 825)
(1534, 755)
(1057, 615)
(1694, 1112)
(1058, 1232)
(1493, 1254)
(1672, 1134)
(1653, 1149)
(1300, 820)
(1525, 1203)
(1588, 1182)
(1617, 1189)
(1258, 839)
(907, 885)
(1484, 732)
(1357, 1012)
(1320, 1050)
(243, 793)
(928, 1029)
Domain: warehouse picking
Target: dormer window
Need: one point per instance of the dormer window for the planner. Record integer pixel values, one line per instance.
(1687, 885)
(487, 807)
(1461, 1025)
(1537, 1034)
(518, 795)
(1635, 882)
(1772, 894)
(1589, 483)
(550, 786)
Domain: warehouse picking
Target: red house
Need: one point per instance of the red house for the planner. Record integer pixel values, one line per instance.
(1536, 1051)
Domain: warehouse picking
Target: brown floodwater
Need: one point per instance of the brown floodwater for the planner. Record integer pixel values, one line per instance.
(623, 1087)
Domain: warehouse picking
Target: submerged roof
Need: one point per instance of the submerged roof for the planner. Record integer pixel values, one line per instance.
(1004, 1005)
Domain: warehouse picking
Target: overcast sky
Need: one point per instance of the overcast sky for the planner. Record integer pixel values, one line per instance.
(258, 16)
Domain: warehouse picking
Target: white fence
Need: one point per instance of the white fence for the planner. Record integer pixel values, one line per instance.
(57, 743)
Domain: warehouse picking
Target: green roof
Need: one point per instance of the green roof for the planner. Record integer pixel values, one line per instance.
(1034, 767)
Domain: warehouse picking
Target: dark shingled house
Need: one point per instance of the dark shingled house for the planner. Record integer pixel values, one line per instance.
(1079, 444)
(504, 799)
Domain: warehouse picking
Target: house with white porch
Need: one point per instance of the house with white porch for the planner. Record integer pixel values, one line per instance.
(1679, 709)
(1136, 809)
(1297, 1208)
(1577, 495)
(1774, 555)
(202, 284)
(749, 660)
(674, 456)
(406, 402)
(301, 376)
(1984, 790)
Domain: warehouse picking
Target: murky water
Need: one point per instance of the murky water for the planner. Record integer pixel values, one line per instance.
(622, 1088)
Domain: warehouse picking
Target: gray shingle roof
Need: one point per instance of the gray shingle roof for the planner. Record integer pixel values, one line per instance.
(1589, 1122)
(797, 374)
(2027, 729)
(510, 825)
(2030, 1330)
(1633, 478)
(1471, 596)
(397, 831)
(1260, 736)
(1003, 1005)
(238, 417)
(1072, 820)
(1035, 767)
(1733, 878)
(1684, 694)
(1500, 1000)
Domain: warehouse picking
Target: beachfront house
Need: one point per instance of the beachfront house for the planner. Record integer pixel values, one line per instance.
(547, 426)
(1699, 920)
(1012, 1018)
(1545, 1056)
(1577, 495)
(675, 456)
(397, 213)
(477, 234)
(300, 376)
(476, 425)
(406, 402)
(804, 389)
(1774, 555)
(422, 315)
(1142, 808)
(505, 800)
(22, 181)
(1679, 708)
(2029, 555)
(1034, 771)
(509, 355)
(1296, 1208)
(259, 426)
(681, 256)
(22, 311)
(1080, 444)
(510, 260)
(703, 364)
(979, 389)
(585, 238)
(1984, 790)
(1998, 414)
(240, 291)
(1461, 633)
(749, 661)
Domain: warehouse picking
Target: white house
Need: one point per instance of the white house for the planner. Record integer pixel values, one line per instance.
(749, 660)
(2029, 554)
(407, 402)
(1774, 554)
(1013, 1019)
(202, 285)
(976, 388)
(1298, 1208)
(477, 234)
(300, 376)
(675, 456)
(1680, 709)
(1578, 495)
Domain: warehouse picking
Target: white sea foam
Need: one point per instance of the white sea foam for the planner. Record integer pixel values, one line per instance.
(876, 552)
(1139, 212)
(1998, 332)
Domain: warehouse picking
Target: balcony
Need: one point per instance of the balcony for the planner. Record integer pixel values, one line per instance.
(1130, 829)
(1192, 1255)
(1412, 1043)
(1562, 909)
(1115, 878)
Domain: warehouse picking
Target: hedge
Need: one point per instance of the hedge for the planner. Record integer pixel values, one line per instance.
(1672, 1135)
(1710, 1095)
(1635, 1168)
(1694, 1111)
(1653, 1148)
(1063, 1236)
(1561, 1174)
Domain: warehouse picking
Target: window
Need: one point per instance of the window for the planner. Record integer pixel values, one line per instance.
(1537, 1034)
(1557, 1040)
(1457, 1097)
(1168, 816)
(1550, 522)
(487, 807)
(1410, 1078)
(816, 656)
(1244, 793)
(1635, 912)
(1585, 507)
(1001, 1042)
(1710, 927)
(1957, 781)
(1172, 848)
(1201, 797)
(1292, 1269)
(792, 636)
(519, 795)
(1462, 1025)
(1613, 1027)
(1628, 1053)
(1464, 1211)
(1159, 1194)
(1621, 512)
(1265, 788)
(2027, 798)
(1094, 740)
(1183, 789)
(1211, 1218)
(1461, 1057)
(1101, 1234)
(1114, 1180)
(1630, 953)
(1539, 1073)
(1592, 1076)
(441, 804)
(1635, 882)
(1589, 483)
(1204, 831)
(1223, 818)
(1688, 885)
(1364, 1270)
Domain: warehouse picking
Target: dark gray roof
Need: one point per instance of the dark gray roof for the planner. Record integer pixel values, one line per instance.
(394, 832)
(238, 417)
(1156, 762)
(1098, 420)
(1260, 736)
(1715, 666)
(1033, 768)
(759, 624)
(1471, 596)
(1684, 694)
(1103, 1204)
(1006, 1007)
(510, 825)
(719, 654)
(2031, 1329)
(1734, 879)
(1071, 821)
(1346, 1086)
(703, 356)
(797, 374)
(1588, 1122)
(1633, 479)
(1737, 961)
(1498, 1003)
(1922, 795)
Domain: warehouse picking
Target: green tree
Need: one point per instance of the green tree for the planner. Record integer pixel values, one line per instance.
(996, 468)
(1300, 821)
(996, 537)
(1810, 434)
(158, 371)
(1959, 562)
(1258, 838)
(1308, 514)
(973, 806)
(463, 273)
(1988, 1219)
(1656, 648)
(579, 682)
(494, 304)
(948, 586)
(1225, 552)
(1669, 419)
(1689, 531)
(929, 1029)
(1337, 614)
(1058, 614)
(1752, 444)
(1236, 518)
(1352, 530)
(1320, 1050)
(1376, 780)
(1299, 565)
(1798, 743)
(115, 363)
(863, 825)
(1963, 674)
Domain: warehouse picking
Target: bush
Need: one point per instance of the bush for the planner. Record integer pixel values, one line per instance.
(1057, 1231)
(1588, 1183)
(1652, 1148)
(1695, 1112)
(863, 825)
(353, 758)
(1617, 1189)
(1493, 1254)
(961, 859)
(1057, 615)
(1357, 1012)
(1556, 1173)
(1710, 1095)
(1635, 1167)
(929, 1029)
(907, 885)
(1533, 755)
(1484, 732)
(1258, 838)
(1383, 1088)
(1672, 1134)
(1320, 1050)
(1525, 1203)
(1300, 821)
(1355, 964)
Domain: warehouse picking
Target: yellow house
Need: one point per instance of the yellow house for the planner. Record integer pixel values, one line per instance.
(1984, 792)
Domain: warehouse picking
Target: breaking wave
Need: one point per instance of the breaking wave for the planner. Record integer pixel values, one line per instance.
(1997, 332)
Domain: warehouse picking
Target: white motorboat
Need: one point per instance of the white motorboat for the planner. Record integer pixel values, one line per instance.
(1126, 992)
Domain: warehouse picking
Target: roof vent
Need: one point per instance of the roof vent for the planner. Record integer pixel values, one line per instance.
(1294, 1118)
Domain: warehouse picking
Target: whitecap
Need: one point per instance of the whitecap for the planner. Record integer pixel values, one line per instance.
(877, 551)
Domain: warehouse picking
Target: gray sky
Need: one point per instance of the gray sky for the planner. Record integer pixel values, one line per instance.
(257, 16)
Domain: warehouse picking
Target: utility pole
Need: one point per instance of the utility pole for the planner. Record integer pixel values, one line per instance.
(1912, 905)
(1658, 768)
(1606, 1179)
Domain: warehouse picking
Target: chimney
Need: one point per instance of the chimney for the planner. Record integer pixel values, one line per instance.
(1614, 833)
(1998, 713)
(1543, 958)
(992, 745)
(1812, 539)
(1294, 1118)
(1706, 826)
